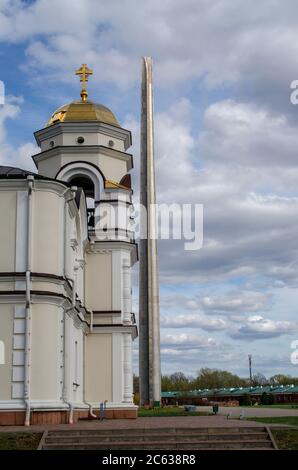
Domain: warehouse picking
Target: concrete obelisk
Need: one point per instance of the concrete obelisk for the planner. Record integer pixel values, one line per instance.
(149, 327)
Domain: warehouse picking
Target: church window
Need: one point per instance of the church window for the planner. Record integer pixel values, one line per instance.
(87, 185)
(111, 143)
(80, 140)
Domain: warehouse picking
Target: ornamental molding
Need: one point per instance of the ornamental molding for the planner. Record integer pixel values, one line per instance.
(84, 127)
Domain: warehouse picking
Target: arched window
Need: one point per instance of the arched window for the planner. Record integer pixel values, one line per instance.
(87, 185)
(89, 178)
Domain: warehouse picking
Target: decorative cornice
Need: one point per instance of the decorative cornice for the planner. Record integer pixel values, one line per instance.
(114, 201)
(37, 277)
(86, 149)
(34, 292)
(18, 184)
(106, 328)
(61, 300)
(84, 127)
(106, 312)
(96, 246)
(33, 275)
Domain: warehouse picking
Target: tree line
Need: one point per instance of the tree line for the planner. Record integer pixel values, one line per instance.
(216, 378)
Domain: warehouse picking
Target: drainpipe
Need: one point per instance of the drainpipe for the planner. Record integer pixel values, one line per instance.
(64, 393)
(91, 411)
(28, 321)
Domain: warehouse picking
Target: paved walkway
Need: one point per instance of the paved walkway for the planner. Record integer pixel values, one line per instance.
(252, 411)
(165, 422)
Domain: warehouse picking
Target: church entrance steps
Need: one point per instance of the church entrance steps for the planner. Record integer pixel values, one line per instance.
(157, 439)
(153, 437)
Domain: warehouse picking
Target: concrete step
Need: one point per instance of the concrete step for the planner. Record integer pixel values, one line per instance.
(159, 439)
(137, 431)
(86, 438)
(195, 445)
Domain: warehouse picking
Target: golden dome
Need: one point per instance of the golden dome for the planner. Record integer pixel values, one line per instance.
(79, 111)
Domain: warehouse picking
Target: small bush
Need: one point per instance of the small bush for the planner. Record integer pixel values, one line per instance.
(271, 399)
(268, 399)
(245, 400)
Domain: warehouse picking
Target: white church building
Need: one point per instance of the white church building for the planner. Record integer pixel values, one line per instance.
(66, 254)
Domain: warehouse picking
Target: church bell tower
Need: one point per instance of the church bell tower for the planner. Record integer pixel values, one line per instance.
(66, 323)
(84, 146)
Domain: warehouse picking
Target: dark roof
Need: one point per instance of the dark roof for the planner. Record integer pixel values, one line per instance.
(14, 173)
(237, 391)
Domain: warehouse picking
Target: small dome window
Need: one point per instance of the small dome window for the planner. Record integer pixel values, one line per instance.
(52, 144)
(111, 143)
(80, 140)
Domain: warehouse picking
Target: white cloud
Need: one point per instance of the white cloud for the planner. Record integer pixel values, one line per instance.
(219, 42)
(247, 135)
(9, 155)
(186, 341)
(193, 321)
(7, 111)
(249, 213)
(258, 327)
(236, 302)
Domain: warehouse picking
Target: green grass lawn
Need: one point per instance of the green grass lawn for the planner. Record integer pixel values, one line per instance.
(19, 441)
(286, 439)
(168, 411)
(292, 420)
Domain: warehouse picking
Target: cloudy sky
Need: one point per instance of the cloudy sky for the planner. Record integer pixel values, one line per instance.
(226, 137)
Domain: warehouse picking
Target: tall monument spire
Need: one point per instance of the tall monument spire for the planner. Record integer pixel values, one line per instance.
(149, 328)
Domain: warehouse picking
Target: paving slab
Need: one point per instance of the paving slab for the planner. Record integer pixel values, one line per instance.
(218, 421)
(251, 412)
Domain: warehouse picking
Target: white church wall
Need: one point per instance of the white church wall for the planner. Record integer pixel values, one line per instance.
(76, 385)
(45, 368)
(117, 355)
(6, 334)
(98, 281)
(118, 144)
(104, 320)
(69, 253)
(98, 375)
(47, 286)
(47, 233)
(50, 167)
(55, 141)
(8, 230)
(112, 168)
(117, 282)
(21, 231)
(91, 138)
(6, 285)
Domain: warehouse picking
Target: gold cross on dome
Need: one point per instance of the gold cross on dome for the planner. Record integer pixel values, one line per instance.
(84, 73)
